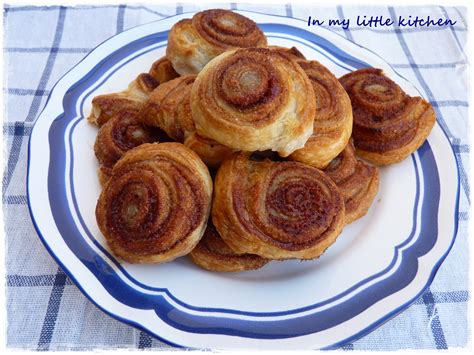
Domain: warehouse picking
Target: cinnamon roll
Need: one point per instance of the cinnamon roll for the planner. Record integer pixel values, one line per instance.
(332, 126)
(162, 71)
(389, 125)
(278, 210)
(357, 181)
(192, 43)
(254, 99)
(168, 107)
(119, 134)
(211, 152)
(155, 206)
(213, 254)
(132, 99)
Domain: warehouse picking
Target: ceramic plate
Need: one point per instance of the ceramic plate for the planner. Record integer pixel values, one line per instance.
(378, 266)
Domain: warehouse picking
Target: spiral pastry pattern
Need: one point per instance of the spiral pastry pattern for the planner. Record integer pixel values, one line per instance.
(332, 126)
(192, 43)
(254, 99)
(118, 135)
(162, 71)
(106, 106)
(155, 206)
(389, 125)
(213, 254)
(357, 181)
(168, 107)
(278, 210)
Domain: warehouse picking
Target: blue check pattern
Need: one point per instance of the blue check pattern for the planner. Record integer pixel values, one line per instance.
(46, 311)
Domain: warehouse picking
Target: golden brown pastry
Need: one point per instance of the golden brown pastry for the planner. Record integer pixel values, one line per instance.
(357, 181)
(119, 134)
(168, 107)
(106, 106)
(333, 120)
(292, 53)
(104, 174)
(389, 125)
(211, 152)
(192, 43)
(162, 70)
(213, 254)
(278, 210)
(155, 206)
(254, 99)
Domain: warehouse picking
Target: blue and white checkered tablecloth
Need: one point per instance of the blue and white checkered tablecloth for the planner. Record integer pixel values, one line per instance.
(47, 311)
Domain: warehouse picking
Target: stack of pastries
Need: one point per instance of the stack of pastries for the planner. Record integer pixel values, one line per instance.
(237, 153)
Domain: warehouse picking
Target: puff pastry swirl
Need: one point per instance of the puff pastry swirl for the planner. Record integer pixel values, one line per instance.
(119, 134)
(211, 152)
(168, 107)
(162, 70)
(332, 126)
(254, 99)
(389, 125)
(278, 210)
(107, 105)
(155, 206)
(192, 43)
(213, 254)
(357, 181)
(292, 53)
